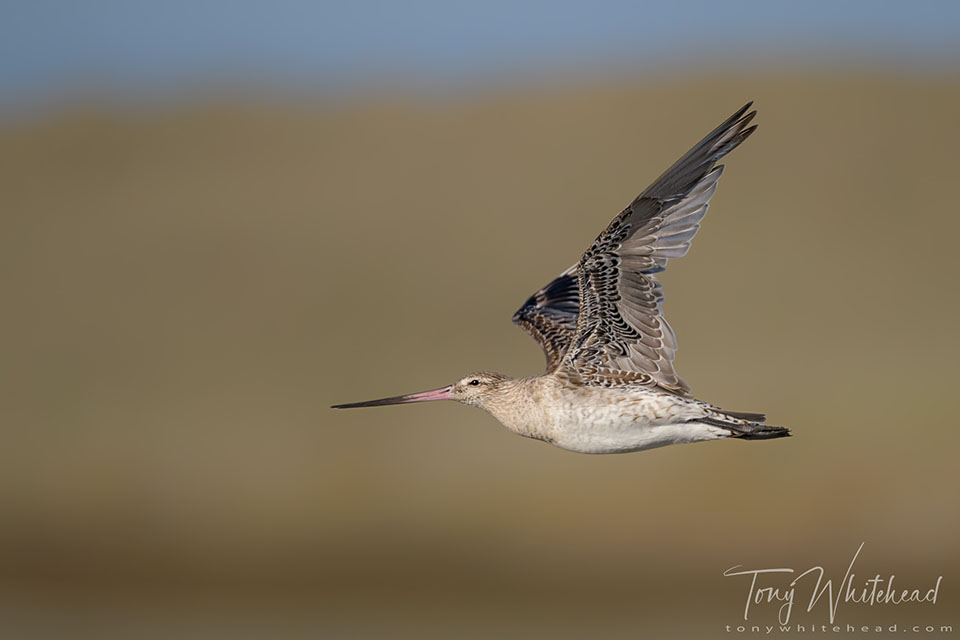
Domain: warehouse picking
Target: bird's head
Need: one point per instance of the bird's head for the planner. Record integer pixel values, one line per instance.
(472, 389)
(476, 387)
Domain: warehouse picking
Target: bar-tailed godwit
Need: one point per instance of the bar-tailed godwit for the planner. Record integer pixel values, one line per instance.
(610, 386)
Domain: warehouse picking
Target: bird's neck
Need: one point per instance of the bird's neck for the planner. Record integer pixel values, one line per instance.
(518, 405)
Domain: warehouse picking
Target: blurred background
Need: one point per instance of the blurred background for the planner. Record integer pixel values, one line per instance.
(219, 218)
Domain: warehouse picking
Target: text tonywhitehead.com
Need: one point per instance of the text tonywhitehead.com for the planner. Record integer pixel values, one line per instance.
(826, 628)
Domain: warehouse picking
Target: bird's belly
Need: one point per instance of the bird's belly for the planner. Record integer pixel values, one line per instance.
(598, 431)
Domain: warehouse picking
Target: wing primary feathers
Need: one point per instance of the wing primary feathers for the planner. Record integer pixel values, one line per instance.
(696, 163)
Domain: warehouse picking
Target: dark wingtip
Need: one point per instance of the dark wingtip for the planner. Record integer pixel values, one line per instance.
(738, 116)
(742, 119)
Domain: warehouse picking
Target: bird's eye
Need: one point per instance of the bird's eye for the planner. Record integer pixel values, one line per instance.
(474, 382)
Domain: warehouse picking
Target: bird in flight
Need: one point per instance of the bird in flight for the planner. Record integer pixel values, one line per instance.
(610, 385)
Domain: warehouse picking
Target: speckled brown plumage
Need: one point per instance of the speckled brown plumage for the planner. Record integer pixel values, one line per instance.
(619, 336)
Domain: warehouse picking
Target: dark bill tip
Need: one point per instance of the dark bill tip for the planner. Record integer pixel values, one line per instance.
(434, 394)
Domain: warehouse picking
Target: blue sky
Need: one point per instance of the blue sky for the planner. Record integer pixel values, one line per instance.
(52, 48)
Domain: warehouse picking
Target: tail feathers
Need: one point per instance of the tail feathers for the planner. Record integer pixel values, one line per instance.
(748, 430)
(760, 432)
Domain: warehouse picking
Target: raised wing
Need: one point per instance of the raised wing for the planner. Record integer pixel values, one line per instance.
(550, 315)
(622, 337)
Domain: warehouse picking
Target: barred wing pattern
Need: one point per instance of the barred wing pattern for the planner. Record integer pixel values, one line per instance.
(622, 337)
(550, 316)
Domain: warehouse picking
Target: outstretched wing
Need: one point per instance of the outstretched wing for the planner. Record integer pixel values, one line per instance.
(550, 316)
(622, 337)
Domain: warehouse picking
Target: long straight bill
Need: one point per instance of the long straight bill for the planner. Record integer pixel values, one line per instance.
(434, 394)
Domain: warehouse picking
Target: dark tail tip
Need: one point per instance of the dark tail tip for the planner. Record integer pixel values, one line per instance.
(761, 432)
(747, 430)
